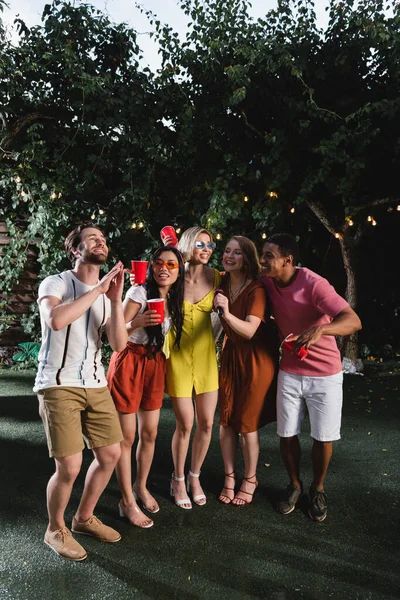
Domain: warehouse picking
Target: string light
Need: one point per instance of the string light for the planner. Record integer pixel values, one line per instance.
(178, 230)
(218, 236)
(264, 236)
(373, 222)
(53, 196)
(133, 226)
(351, 222)
(369, 218)
(337, 236)
(101, 211)
(272, 194)
(398, 207)
(293, 210)
(140, 225)
(246, 199)
(93, 216)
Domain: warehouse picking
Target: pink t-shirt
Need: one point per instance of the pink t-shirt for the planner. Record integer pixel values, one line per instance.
(310, 300)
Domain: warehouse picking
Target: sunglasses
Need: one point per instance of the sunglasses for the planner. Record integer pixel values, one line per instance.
(169, 264)
(201, 245)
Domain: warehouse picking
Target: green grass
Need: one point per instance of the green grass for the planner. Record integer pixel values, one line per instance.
(214, 551)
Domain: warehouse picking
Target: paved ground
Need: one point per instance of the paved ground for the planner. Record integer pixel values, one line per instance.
(216, 551)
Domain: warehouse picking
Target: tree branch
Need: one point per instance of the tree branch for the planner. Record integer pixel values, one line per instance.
(250, 126)
(321, 215)
(378, 202)
(6, 141)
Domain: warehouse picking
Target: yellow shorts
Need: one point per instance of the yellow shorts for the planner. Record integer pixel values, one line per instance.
(71, 415)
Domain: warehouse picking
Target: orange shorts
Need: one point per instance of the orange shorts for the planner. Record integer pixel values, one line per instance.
(136, 379)
(71, 415)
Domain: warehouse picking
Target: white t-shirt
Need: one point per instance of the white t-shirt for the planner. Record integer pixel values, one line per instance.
(139, 294)
(71, 357)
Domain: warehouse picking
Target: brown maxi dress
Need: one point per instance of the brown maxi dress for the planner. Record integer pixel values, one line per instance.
(247, 381)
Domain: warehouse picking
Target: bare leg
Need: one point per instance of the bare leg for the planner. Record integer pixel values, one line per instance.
(97, 477)
(148, 424)
(321, 457)
(228, 441)
(251, 450)
(184, 414)
(205, 411)
(291, 452)
(59, 488)
(124, 471)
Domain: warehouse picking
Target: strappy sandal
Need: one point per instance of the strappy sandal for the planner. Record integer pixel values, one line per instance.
(181, 503)
(221, 496)
(151, 509)
(196, 499)
(251, 494)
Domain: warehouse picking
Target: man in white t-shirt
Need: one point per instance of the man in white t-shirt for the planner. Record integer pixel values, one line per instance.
(309, 312)
(74, 401)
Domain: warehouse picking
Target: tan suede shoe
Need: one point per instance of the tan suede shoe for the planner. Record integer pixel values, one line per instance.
(94, 527)
(62, 542)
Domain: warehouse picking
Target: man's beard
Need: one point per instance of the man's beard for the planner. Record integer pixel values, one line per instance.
(93, 258)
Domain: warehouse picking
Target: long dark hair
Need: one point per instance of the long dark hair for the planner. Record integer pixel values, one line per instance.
(174, 300)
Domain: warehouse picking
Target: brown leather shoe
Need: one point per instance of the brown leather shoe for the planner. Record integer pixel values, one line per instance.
(94, 527)
(63, 544)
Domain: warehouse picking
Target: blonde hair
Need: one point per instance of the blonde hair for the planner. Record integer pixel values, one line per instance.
(188, 240)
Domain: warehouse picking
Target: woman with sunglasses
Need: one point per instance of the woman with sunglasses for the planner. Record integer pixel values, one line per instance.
(136, 376)
(247, 393)
(192, 371)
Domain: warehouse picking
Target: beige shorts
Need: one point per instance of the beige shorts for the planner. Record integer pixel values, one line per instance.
(71, 415)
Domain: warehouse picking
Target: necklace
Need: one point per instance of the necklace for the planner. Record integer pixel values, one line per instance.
(234, 295)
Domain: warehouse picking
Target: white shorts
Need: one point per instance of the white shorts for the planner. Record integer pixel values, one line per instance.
(323, 397)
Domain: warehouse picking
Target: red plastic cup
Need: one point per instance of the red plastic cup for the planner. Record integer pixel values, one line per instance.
(158, 305)
(169, 232)
(288, 346)
(139, 267)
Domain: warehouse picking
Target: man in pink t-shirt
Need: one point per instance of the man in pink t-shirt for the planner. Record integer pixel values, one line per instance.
(309, 314)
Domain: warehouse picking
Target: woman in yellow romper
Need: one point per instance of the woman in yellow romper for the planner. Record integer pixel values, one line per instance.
(192, 370)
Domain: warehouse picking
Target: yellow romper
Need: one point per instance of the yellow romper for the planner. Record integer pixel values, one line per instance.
(195, 364)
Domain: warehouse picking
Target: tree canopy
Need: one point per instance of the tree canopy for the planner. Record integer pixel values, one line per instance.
(250, 125)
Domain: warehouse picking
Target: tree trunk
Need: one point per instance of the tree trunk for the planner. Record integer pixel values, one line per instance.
(349, 344)
(348, 240)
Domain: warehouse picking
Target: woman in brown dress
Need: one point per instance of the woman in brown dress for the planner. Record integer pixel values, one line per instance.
(247, 397)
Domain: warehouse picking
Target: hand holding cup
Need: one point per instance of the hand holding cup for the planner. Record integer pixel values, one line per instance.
(139, 270)
(288, 345)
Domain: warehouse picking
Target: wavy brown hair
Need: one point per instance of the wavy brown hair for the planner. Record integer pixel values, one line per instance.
(251, 262)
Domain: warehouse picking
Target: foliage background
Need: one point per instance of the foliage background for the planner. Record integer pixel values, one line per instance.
(250, 126)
